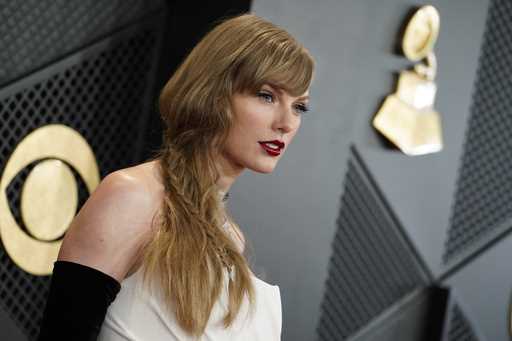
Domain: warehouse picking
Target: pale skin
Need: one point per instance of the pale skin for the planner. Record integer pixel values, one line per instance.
(115, 222)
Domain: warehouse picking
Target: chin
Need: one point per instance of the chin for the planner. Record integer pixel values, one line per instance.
(266, 171)
(263, 169)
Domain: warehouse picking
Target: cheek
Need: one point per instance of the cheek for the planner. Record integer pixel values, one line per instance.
(240, 140)
(254, 118)
(294, 132)
(251, 126)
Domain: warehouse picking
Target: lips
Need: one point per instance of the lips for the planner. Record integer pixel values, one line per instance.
(273, 148)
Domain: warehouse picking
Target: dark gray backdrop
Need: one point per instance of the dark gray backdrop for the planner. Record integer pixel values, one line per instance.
(291, 216)
(353, 235)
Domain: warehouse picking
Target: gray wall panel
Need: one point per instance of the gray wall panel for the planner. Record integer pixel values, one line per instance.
(289, 216)
(421, 189)
(485, 289)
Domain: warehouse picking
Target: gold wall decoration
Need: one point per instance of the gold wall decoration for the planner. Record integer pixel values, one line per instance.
(49, 195)
(407, 117)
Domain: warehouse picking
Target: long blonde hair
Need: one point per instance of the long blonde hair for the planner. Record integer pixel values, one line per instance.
(190, 252)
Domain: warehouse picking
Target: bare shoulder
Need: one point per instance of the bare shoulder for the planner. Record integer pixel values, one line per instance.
(115, 222)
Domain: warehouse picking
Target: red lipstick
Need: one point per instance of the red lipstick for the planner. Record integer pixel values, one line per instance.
(273, 148)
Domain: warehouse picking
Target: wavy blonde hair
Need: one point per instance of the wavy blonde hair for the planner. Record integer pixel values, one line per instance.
(190, 252)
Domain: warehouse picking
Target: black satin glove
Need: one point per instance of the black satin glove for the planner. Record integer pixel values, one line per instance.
(77, 303)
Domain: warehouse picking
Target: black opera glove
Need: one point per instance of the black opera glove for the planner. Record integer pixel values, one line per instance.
(77, 303)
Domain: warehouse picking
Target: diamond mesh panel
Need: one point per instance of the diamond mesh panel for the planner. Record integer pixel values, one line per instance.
(371, 267)
(34, 33)
(483, 200)
(102, 93)
(460, 328)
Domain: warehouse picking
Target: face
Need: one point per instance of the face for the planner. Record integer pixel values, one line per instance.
(264, 125)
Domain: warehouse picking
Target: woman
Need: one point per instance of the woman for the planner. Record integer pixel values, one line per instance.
(157, 235)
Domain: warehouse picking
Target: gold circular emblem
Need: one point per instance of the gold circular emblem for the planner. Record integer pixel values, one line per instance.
(50, 187)
(421, 33)
(49, 196)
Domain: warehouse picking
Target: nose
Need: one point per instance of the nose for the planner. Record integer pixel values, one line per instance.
(287, 121)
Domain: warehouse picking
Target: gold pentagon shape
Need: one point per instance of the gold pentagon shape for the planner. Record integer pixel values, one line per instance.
(414, 132)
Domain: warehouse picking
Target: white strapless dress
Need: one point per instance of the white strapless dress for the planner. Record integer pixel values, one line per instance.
(138, 316)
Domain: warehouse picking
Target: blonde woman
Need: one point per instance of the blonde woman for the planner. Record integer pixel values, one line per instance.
(153, 253)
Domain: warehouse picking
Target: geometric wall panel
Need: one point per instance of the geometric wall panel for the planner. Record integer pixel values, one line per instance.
(372, 265)
(105, 93)
(419, 316)
(460, 329)
(482, 208)
(34, 33)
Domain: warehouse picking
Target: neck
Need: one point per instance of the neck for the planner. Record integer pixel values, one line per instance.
(228, 173)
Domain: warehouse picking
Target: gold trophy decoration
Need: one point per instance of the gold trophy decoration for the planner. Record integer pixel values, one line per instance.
(49, 195)
(407, 117)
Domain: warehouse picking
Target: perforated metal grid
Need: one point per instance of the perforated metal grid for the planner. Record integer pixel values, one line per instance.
(460, 329)
(371, 266)
(34, 33)
(483, 201)
(102, 92)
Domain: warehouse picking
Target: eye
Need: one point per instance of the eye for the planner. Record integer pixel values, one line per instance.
(301, 108)
(266, 96)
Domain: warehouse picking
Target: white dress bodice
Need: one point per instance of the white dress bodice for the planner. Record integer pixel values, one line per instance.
(137, 315)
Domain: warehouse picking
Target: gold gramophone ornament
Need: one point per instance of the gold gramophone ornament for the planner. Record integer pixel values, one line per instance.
(407, 117)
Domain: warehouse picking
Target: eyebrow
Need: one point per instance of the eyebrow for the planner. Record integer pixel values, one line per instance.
(280, 90)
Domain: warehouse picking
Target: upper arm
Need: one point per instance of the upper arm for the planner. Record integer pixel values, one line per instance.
(111, 227)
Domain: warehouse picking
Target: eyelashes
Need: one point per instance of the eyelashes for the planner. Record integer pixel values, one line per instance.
(302, 108)
(268, 97)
